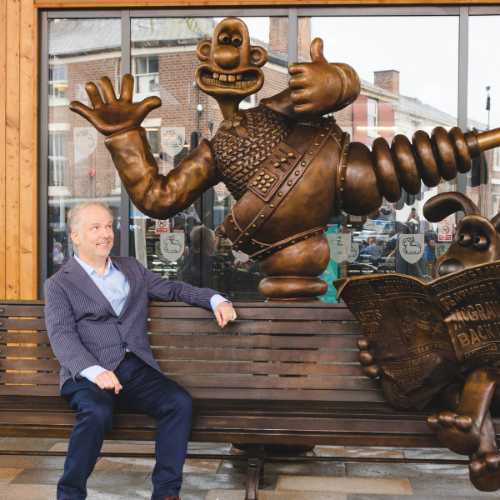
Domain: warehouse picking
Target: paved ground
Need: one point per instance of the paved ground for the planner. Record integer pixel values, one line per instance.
(26, 477)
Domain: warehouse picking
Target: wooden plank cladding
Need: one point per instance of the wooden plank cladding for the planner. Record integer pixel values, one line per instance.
(252, 358)
(80, 4)
(18, 149)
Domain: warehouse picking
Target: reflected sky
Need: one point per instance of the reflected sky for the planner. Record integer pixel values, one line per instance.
(423, 49)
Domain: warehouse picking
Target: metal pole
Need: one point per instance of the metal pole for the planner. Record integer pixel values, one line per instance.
(125, 201)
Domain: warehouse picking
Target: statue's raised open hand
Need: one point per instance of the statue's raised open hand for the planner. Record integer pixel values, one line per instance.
(114, 115)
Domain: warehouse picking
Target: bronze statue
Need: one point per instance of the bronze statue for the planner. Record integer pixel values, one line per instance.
(441, 335)
(290, 169)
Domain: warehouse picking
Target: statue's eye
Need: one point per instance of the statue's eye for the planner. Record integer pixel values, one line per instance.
(224, 38)
(236, 40)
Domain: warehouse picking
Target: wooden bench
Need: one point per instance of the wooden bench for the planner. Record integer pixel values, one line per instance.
(281, 374)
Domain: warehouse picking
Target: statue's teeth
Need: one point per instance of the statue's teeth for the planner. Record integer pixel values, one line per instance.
(223, 78)
(216, 76)
(231, 78)
(239, 77)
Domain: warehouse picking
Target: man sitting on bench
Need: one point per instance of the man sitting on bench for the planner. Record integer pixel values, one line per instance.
(96, 311)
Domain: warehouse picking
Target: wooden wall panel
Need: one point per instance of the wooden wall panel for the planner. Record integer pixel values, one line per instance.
(28, 240)
(18, 149)
(244, 3)
(12, 150)
(3, 52)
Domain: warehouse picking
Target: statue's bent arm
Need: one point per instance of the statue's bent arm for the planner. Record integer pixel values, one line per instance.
(156, 195)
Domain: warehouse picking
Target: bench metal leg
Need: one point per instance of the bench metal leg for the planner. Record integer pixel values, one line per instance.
(255, 464)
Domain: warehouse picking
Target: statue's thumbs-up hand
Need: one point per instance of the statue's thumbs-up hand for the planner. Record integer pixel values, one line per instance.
(113, 115)
(316, 86)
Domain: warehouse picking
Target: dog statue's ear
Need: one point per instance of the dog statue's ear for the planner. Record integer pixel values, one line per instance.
(496, 222)
(444, 204)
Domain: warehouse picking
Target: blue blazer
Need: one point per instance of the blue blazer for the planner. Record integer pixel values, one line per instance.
(85, 331)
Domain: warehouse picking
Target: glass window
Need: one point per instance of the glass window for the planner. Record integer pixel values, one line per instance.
(403, 90)
(372, 112)
(79, 165)
(484, 111)
(58, 81)
(164, 54)
(147, 76)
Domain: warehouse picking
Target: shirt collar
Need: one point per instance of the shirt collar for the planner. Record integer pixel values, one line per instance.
(90, 270)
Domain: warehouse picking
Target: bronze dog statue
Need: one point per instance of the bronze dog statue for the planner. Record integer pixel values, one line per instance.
(467, 429)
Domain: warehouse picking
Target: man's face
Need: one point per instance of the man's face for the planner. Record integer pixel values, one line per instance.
(96, 237)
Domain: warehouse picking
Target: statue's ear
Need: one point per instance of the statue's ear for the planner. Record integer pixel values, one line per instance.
(203, 50)
(258, 56)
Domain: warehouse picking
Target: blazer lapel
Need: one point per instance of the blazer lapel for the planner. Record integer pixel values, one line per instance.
(123, 267)
(79, 277)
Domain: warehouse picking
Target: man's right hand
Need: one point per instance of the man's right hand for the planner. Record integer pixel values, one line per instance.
(108, 380)
(114, 115)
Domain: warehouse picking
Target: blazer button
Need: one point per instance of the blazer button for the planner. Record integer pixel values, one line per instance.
(119, 322)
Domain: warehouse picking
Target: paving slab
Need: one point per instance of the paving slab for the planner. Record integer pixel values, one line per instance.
(345, 485)
(433, 453)
(426, 471)
(98, 479)
(273, 495)
(288, 468)
(26, 492)
(197, 466)
(342, 452)
(28, 444)
(222, 482)
(31, 462)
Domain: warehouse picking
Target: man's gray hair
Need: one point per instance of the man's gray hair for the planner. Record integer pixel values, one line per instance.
(74, 220)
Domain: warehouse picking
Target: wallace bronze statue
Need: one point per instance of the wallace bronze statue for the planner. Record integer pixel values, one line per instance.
(290, 169)
(421, 338)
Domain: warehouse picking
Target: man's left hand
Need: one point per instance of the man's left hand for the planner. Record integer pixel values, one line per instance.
(224, 313)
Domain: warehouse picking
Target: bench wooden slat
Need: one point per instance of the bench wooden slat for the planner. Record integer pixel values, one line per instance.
(29, 378)
(246, 313)
(256, 341)
(247, 381)
(30, 364)
(203, 340)
(264, 355)
(23, 337)
(208, 354)
(22, 324)
(26, 352)
(27, 311)
(230, 367)
(202, 326)
(257, 326)
(225, 393)
(29, 390)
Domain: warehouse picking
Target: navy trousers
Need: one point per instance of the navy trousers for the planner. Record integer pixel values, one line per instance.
(146, 391)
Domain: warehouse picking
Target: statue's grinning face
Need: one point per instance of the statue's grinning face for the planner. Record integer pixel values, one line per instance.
(230, 66)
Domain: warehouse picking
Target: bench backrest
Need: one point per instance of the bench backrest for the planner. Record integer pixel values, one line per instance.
(294, 351)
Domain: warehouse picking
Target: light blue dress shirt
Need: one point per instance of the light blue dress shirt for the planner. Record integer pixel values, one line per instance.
(115, 287)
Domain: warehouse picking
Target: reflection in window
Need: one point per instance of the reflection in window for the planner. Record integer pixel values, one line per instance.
(79, 166)
(57, 159)
(372, 112)
(402, 91)
(58, 81)
(153, 139)
(165, 49)
(147, 76)
(483, 182)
